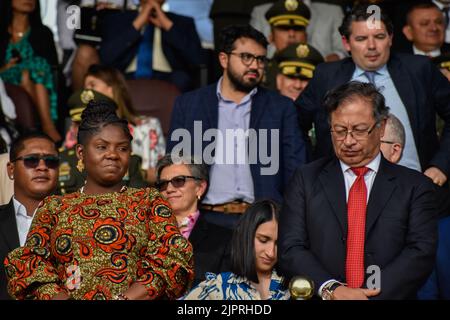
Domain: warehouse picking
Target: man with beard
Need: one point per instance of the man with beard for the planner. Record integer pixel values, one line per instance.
(246, 134)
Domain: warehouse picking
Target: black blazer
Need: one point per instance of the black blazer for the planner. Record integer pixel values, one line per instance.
(9, 240)
(212, 248)
(424, 92)
(401, 227)
(120, 42)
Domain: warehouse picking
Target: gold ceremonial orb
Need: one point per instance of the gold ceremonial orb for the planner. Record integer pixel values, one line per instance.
(301, 288)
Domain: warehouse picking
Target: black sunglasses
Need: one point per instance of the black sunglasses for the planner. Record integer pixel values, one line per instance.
(31, 161)
(177, 182)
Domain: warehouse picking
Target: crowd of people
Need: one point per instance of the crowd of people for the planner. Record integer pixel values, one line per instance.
(318, 145)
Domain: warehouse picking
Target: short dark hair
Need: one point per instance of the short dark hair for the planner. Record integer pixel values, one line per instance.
(230, 34)
(96, 116)
(426, 5)
(355, 89)
(361, 13)
(243, 240)
(19, 144)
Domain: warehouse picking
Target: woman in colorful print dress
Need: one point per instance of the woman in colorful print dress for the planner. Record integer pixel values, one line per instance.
(105, 241)
(253, 258)
(148, 138)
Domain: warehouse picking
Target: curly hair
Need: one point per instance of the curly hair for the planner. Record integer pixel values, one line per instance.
(96, 116)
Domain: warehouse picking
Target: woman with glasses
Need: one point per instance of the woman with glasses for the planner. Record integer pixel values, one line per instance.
(183, 182)
(253, 260)
(105, 241)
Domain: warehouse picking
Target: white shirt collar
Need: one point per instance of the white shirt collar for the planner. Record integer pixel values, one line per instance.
(20, 209)
(373, 165)
(434, 53)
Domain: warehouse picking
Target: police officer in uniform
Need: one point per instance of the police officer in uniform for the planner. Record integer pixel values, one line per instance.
(71, 179)
(296, 65)
(288, 20)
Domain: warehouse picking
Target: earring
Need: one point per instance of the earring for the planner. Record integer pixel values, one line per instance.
(80, 165)
(198, 197)
(11, 177)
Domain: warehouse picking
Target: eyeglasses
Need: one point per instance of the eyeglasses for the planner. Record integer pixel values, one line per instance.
(357, 134)
(31, 161)
(177, 182)
(248, 58)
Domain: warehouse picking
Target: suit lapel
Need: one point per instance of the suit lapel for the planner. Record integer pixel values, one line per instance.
(332, 180)
(257, 108)
(345, 73)
(199, 231)
(382, 190)
(405, 89)
(8, 226)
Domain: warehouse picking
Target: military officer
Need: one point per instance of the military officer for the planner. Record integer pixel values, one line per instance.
(296, 65)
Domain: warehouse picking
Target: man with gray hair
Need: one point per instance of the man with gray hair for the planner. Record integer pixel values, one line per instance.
(393, 141)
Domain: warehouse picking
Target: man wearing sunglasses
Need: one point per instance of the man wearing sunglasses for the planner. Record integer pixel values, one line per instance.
(237, 102)
(33, 166)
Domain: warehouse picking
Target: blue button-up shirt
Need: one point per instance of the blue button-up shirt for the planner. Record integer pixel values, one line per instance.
(230, 177)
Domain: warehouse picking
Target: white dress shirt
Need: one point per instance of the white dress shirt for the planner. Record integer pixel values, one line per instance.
(23, 220)
(350, 177)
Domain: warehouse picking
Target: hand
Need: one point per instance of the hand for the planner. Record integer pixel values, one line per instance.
(346, 293)
(11, 63)
(61, 296)
(157, 17)
(436, 175)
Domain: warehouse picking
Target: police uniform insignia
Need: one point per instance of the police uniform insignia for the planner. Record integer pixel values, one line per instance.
(86, 96)
(291, 5)
(302, 51)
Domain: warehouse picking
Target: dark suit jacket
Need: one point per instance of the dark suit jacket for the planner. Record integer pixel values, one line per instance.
(424, 92)
(120, 42)
(438, 284)
(212, 245)
(401, 228)
(269, 110)
(9, 240)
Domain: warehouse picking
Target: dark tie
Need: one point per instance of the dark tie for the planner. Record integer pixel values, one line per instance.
(356, 215)
(370, 75)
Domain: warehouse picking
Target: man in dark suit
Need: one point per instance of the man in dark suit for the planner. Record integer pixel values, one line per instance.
(33, 166)
(425, 29)
(265, 146)
(359, 226)
(166, 46)
(414, 89)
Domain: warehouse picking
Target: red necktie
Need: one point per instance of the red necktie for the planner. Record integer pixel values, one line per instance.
(356, 209)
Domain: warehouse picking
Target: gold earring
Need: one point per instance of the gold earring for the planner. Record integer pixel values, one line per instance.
(80, 165)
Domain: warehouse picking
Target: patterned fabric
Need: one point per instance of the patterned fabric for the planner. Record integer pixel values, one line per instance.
(357, 204)
(188, 224)
(94, 247)
(39, 68)
(228, 286)
(148, 141)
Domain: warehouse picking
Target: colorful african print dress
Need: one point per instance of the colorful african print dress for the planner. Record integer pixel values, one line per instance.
(95, 247)
(229, 286)
(39, 69)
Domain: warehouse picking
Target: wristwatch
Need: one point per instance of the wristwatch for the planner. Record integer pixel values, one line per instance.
(328, 290)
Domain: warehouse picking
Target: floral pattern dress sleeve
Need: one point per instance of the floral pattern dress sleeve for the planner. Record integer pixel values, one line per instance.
(31, 270)
(166, 265)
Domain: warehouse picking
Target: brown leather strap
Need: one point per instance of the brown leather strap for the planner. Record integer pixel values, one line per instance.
(227, 208)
